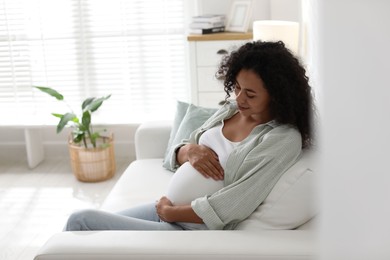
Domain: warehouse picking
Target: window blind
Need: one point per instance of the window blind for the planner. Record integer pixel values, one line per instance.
(132, 49)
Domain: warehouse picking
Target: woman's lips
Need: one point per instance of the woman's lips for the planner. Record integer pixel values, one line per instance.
(242, 108)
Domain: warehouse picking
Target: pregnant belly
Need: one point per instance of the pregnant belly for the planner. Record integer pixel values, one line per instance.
(188, 184)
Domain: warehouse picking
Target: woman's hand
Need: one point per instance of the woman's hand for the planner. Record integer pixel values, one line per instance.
(170, 213)
(162, 208)
(203, 159)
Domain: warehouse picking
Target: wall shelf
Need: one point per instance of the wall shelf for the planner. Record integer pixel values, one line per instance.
(225, 36)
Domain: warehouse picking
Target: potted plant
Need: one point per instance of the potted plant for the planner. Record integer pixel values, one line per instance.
(91, 153)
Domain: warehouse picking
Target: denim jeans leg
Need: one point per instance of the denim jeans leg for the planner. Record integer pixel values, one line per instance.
(143, 217)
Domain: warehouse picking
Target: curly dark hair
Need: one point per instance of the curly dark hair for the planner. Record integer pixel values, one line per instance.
(284, 78)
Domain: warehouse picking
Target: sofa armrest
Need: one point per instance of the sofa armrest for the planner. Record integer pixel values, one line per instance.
(115, 245)
(151, 139)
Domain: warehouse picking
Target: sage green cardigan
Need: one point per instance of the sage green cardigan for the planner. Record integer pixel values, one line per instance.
(251, 171)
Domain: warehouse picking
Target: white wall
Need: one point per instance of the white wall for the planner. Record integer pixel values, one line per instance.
(288, 10)
(349, 49)
(261, 8)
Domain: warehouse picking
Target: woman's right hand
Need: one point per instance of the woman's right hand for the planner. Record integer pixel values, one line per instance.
(203, 159)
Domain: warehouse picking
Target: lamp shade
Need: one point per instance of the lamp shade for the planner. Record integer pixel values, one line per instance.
(272, 30)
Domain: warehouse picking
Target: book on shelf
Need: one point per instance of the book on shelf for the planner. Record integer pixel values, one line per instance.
(206, 25)
(209, 18)
(207, 31)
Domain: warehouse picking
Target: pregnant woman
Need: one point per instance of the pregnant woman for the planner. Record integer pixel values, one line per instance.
(230, 164)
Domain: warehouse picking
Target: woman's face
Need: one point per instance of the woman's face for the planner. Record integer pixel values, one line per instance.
(252, 97)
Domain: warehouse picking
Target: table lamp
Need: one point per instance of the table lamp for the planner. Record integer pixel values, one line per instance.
(272, 30)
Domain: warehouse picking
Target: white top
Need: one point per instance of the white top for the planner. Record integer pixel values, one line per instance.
(187, 183)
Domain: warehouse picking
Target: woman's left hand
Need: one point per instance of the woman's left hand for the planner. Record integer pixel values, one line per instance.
(162, 208)
(171, 213)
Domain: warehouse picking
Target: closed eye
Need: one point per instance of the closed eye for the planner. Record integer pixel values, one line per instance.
(249, 92)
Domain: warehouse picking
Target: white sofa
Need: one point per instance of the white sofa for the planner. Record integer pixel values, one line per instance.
(145, 180)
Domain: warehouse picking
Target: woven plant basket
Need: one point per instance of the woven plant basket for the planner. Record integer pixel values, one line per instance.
(93, 164)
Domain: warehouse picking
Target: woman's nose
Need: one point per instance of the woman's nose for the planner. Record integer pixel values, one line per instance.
(239, 96)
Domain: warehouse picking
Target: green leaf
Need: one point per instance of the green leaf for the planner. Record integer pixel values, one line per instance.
(82, 128)
(51, 92)
(64, 121)
(86, 120)
(78, 137)
(87, 102)
(96, 103)
(57, 115)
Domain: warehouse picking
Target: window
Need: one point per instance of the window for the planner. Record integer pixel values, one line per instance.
(132, 49)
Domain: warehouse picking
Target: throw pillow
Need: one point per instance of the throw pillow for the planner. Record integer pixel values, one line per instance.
(181, 110)
(194, 118)
(291, 202)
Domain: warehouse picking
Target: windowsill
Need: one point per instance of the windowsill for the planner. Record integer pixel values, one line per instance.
(35, 121)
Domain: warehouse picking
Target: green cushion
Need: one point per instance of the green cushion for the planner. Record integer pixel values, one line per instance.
(183, 126)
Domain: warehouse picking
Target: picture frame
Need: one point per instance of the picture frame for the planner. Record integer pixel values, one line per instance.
(240, 16)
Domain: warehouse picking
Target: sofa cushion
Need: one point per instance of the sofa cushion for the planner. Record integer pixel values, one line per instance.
(194, 117)
(291, 202)
(151, 139)
(181, 110)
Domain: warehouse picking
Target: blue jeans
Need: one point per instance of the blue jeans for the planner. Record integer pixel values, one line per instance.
(143, 217)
